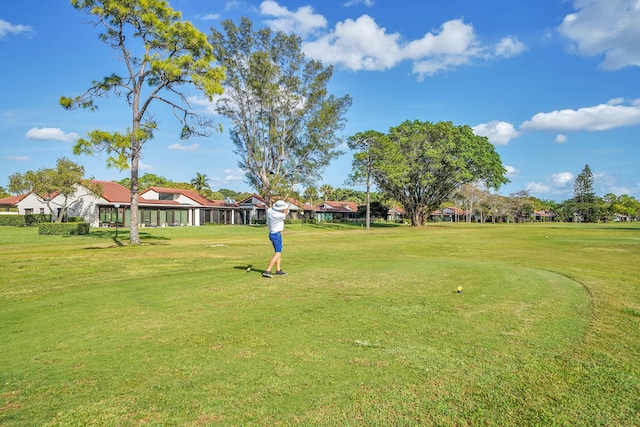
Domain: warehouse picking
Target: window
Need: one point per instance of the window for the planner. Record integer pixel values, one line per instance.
(28, 211)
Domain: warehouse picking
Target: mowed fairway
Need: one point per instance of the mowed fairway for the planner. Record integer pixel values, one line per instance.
(367, 329)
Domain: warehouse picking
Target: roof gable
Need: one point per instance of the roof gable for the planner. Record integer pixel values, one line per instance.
(190, 194)
(114, 192)
(344, 207)
(13, 200)
(253, 200)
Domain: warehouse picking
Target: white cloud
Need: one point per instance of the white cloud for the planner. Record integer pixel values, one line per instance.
(499, 133)
(302, 22)
(6, 28)
(454, 45)
(560, 179)
(210, 17)
(620, 190)
(208, 107)
(230, 176)
(232, 5)
(51, 134)
(607, 28)
(557, 183)
(509, 46)
(18, 158)
(561, 139)
(361, 44)
(367, 3)
(511, 171)
(535, 188)
(357, 45)
(180, 147)
(597, 118)
(609, 183)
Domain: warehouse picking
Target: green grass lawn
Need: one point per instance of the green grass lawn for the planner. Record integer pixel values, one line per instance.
(367, 329)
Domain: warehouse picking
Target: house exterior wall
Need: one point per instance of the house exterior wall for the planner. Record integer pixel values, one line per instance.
(31, 204)
(85, 204)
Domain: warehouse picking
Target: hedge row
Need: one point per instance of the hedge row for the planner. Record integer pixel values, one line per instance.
(63, 228)
(12, 220)
(30, 220)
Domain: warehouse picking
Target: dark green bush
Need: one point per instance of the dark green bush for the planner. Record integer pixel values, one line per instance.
(64, 228)
(12, 220)
(31, 220)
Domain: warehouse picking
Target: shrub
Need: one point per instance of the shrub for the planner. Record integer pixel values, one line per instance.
(31, 220)
(64, 228)
(12, 220)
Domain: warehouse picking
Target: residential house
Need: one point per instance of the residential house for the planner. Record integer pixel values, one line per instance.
(200, 210)
(300, 210)
(618, 217)
(448, 214)
(544, 215)
(331, 211)
(396, 213)
(161, 207)
(252, 209)
(156, 206)
(23, 204)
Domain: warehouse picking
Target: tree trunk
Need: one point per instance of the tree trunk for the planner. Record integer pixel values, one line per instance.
(368, 215)
(417, 218)
(134, 234)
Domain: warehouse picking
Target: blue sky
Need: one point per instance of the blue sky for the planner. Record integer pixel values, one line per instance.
(553, 84)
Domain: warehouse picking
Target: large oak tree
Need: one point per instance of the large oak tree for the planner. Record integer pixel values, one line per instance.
(160, 55)
(422, 164)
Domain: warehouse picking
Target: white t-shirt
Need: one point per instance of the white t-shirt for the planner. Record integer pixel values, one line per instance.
(275, 220)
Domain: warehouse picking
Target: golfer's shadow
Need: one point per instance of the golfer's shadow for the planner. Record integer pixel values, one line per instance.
(248, 268)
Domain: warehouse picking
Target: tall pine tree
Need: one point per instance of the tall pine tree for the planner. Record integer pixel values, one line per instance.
(584, 197)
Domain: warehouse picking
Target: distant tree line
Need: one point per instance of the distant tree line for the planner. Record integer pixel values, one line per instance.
(584, 206)
(477, 202)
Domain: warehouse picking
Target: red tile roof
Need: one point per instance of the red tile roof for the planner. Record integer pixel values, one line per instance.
(13, 200)
(191, 194)
(350, 207)
(114, 192)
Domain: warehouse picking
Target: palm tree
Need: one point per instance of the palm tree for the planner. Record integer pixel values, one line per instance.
(310, 193)
(200, 182)
(327, 191)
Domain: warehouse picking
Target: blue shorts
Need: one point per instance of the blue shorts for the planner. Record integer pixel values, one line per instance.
(276, 239)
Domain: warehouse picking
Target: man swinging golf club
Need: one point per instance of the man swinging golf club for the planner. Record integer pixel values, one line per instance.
(275, 223)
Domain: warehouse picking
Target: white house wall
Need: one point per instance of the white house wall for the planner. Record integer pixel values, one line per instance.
(37, 206)
(85, 204)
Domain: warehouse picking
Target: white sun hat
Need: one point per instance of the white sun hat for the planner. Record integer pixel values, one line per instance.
(280, 205)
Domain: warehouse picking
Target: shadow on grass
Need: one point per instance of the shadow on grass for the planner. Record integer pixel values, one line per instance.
(249, 269)
(121, 238)
(350, 225)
